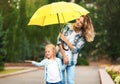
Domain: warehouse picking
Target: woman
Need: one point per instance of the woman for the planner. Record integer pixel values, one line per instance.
(74, 35)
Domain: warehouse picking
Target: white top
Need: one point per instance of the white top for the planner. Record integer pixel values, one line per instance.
(70, 38)
(53, 73)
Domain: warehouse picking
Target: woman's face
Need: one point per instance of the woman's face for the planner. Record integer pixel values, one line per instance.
(79, 22)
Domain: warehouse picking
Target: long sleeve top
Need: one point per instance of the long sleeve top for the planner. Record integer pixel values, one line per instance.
(45, 62)
(77, 40)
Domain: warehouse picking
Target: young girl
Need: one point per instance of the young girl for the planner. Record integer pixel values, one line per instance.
(53, 65)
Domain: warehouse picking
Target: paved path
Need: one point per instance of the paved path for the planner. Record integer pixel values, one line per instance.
(87, 75)
(83, 75)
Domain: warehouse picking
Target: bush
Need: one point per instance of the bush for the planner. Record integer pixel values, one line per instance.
(82, 61)
(114, 72)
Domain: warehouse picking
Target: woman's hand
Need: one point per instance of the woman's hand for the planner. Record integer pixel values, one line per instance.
(65, 60)
(63, 38)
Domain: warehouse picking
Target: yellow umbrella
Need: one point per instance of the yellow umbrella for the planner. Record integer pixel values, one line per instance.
(57, 13)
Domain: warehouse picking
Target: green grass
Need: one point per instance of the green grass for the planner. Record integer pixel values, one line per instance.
(9, 71)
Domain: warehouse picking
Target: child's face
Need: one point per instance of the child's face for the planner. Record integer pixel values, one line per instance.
(49, 53)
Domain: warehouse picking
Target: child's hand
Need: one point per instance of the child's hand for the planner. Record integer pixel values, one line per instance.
(29, 61)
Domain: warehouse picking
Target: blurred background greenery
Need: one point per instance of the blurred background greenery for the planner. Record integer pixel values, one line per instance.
(19, 42)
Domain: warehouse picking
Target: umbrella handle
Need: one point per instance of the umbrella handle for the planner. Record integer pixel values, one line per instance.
(64, 47)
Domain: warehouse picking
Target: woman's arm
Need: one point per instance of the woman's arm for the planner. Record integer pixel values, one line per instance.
(65, 58)
(66, 41)
(78, 45)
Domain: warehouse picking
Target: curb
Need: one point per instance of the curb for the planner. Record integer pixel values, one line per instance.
(18, 72)
(105, 77)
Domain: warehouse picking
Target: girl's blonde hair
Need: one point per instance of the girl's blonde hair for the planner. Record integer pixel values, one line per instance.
(88, 30)
(52, 47)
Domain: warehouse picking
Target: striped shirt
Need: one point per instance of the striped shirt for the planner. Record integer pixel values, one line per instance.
(76, 39)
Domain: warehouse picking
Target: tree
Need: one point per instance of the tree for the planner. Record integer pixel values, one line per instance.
(109, 13)
(1, 43)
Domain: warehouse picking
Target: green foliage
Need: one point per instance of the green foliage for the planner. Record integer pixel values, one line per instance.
(1, 63)
(82, 60)
(18, 41)
(1, 43)
(1, 35)
(109, 15)
(114, 72)
(8, 71)
(117, 80)
(104, 14)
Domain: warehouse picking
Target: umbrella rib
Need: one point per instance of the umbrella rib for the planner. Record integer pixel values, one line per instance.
(80, 13)
(58, 21)
(58, 18)
(44, 20)
(63, 17)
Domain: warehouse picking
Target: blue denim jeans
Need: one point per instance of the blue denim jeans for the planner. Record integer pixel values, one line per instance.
(70, 73)
(54, 83)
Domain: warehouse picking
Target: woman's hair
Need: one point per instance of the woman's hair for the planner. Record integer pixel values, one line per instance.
(88, 30)
(52, 47)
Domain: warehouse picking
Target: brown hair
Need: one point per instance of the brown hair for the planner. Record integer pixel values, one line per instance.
(53, 48)
(88, 30)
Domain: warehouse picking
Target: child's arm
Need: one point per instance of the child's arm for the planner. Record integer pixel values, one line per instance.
(28, 61)
(42, 63)
(38, 63)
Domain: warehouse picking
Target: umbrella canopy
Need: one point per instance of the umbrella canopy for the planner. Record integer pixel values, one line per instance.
(57, 13)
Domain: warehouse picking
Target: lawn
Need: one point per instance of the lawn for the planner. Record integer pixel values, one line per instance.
(6, 71)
